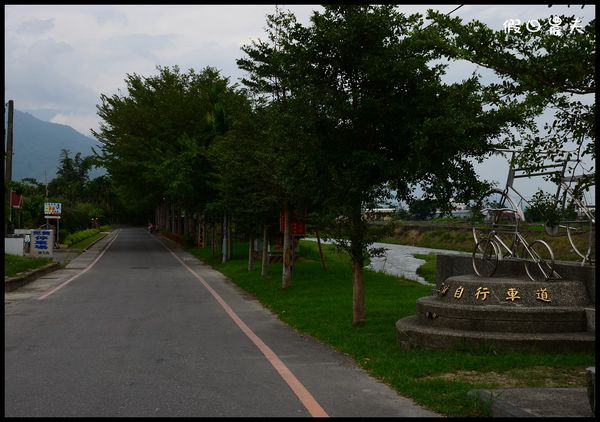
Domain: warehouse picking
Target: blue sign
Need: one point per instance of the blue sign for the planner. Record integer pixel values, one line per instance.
(41, 242)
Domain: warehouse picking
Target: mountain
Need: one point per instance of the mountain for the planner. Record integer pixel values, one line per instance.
(37, 146)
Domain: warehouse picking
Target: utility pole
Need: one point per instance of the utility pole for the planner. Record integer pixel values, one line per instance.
(8, 161)
(46, 197)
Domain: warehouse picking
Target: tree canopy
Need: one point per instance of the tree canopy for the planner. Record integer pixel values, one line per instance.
(155, 137)
(541, 68)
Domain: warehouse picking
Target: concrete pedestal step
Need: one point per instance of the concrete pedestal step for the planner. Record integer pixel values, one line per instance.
(411, 333)
(590, 315)
(435, 313)
(512, 292)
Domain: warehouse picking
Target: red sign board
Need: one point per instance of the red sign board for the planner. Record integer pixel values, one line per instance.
(298, 227)
(16, 200)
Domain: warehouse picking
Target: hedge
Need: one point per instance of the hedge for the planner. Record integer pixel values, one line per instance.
(80, 235)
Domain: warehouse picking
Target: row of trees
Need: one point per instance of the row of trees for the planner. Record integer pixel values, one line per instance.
(82, 198)
(333, 118)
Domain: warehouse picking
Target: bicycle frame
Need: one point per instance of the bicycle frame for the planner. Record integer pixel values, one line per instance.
(497, 249)
(564, 197)
(512, 250)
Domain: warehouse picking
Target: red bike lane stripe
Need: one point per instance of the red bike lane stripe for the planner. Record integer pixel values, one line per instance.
(309, 402)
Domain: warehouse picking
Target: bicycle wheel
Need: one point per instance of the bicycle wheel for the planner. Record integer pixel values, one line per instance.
(582, 237)
(485, 258)
(539, 261)
(581, 221)
(494, 210)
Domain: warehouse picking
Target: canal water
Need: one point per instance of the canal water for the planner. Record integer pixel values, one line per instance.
(399, 260)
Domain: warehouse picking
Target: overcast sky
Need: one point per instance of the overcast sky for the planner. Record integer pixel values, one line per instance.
(60, 58)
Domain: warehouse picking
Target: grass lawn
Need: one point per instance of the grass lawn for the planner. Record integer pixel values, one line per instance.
(14, 264)
(319, 303)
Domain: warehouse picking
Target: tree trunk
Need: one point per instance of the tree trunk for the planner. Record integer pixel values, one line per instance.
(357, 238)
(229, 244)
(180, 228)
(265, 252)
(213, 236)
(175, 220)
(185, 223)
(165, 217)
(250, 254)
(199, 234)
(286, 279)
(358, 292)
(224, 239)
(321, 251)
(172, 223)
(203, 245)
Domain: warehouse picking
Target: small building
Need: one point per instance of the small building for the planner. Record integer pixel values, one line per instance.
(459, 210)
(380, 214)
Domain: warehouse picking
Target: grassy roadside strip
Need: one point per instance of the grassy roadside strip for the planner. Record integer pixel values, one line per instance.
(85, 243)
(319, 303)
(14, 264)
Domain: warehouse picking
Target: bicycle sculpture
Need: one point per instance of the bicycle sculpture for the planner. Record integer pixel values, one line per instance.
(575, 196)
(496, 218)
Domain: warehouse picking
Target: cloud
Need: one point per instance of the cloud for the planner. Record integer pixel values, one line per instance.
(147, 46)
(80, 122)
(36, 26)
(110, 16)
(46, 76)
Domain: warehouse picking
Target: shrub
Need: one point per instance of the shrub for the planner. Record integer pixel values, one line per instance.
(63, 234)
(79, 236)
(105, 228)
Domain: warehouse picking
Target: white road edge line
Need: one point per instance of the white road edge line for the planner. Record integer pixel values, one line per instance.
(60, 286)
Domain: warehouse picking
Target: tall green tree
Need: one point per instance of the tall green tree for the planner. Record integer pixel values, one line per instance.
(156, 135)
(272, 66)
(384, 119)
(71, 177)
(243, 177)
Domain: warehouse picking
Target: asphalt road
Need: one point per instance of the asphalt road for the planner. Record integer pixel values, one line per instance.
(137, 327)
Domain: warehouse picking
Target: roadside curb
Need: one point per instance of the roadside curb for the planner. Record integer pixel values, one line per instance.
(17, 281)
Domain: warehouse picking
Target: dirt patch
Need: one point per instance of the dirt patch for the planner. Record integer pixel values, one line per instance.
(540, 376)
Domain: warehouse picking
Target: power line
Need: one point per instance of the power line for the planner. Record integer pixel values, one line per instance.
(447, 14)
(452, 11)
